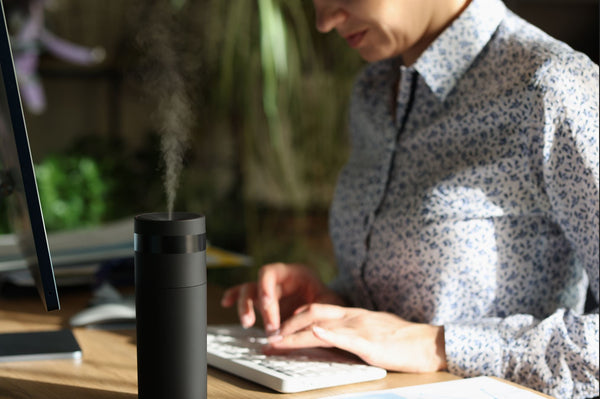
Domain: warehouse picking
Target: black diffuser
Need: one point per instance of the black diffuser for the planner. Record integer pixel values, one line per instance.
(170, 294)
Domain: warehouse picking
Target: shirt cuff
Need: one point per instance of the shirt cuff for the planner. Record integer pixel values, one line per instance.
(474, 349)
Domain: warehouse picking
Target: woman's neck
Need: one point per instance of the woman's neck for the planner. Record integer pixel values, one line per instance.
(443, 13)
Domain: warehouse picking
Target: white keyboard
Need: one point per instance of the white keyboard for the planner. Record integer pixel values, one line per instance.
(238, 351)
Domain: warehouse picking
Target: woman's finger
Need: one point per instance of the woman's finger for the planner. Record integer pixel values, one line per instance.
(230, 296)
(348, 342)
(269, 294)
(309, 315)
(245, 304)
(281, 343)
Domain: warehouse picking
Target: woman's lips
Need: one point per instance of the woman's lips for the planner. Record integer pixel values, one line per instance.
(355, 39)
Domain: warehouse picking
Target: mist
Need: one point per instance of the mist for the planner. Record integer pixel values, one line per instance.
(166, 82)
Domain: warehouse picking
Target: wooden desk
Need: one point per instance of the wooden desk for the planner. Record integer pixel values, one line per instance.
(108, 368)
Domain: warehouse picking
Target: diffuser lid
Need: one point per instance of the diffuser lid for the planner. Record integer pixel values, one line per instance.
(174, 224)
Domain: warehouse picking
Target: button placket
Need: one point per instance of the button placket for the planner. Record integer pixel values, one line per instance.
(406, 90)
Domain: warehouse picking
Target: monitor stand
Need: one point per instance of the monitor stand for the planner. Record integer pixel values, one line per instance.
(38, 345)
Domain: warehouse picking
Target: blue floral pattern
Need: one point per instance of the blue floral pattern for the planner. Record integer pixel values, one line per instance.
(470, 200)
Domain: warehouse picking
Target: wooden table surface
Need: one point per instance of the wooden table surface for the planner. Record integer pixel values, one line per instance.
(108, 366)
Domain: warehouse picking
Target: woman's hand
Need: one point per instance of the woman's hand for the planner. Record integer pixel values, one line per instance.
(379, 338)
(280, 290)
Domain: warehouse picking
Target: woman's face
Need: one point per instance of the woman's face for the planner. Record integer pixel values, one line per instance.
(380, 29)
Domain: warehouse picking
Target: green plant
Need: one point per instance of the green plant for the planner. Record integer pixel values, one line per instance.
(72, 192)
(287, 88)
(258, 72)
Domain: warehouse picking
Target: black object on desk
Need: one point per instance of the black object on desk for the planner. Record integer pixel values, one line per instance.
(39, 345)
(170, 290)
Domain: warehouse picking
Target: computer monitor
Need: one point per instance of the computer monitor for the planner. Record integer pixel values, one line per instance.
(17, 178)
(19, 188)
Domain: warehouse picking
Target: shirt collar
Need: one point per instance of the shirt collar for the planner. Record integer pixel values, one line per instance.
(444, 62)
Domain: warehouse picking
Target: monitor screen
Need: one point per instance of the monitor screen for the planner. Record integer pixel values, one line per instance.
(17, 178)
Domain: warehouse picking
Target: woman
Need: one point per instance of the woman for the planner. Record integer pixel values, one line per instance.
(465, 223)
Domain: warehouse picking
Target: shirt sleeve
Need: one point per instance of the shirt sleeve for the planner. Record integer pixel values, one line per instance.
(558, 355)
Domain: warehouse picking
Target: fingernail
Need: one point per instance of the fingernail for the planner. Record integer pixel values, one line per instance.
(246, 321)
(319, 330)
(271, 329)
(274, 338)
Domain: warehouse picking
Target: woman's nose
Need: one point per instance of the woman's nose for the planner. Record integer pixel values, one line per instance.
(328, 16)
